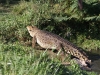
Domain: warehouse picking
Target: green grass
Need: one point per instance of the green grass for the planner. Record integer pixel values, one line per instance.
(16, 59)
(16, 55)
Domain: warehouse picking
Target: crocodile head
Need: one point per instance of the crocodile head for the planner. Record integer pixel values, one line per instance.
(32, 30)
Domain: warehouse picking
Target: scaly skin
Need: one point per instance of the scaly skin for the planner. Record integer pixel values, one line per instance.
(52, 41)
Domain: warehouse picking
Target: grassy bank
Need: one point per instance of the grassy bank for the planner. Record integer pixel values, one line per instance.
(16, 59)
(16, 55)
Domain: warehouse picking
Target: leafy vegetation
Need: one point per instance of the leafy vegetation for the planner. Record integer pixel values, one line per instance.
(16, 59)
(58, 16)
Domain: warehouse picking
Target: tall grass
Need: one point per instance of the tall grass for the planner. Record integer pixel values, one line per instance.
(16, 55)
(56, 20)
(16, 59)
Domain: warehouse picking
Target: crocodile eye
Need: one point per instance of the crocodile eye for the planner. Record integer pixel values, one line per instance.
(30, 30)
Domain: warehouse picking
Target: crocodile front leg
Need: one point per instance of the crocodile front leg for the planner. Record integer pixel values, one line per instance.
(33, 42)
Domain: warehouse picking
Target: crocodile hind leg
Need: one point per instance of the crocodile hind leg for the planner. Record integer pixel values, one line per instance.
(62, 55)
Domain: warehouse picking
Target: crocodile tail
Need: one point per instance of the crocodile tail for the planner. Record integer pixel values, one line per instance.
(76, 53)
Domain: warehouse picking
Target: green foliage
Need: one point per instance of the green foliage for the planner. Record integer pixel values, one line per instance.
(58, 16)
(92, 44)
(16, 59)
(61, 17)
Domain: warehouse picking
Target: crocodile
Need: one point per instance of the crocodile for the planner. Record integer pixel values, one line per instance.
(50, 40)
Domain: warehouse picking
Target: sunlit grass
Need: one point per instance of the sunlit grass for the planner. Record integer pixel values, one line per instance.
(16, 59)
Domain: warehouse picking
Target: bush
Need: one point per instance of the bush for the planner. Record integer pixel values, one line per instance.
(58, 16)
